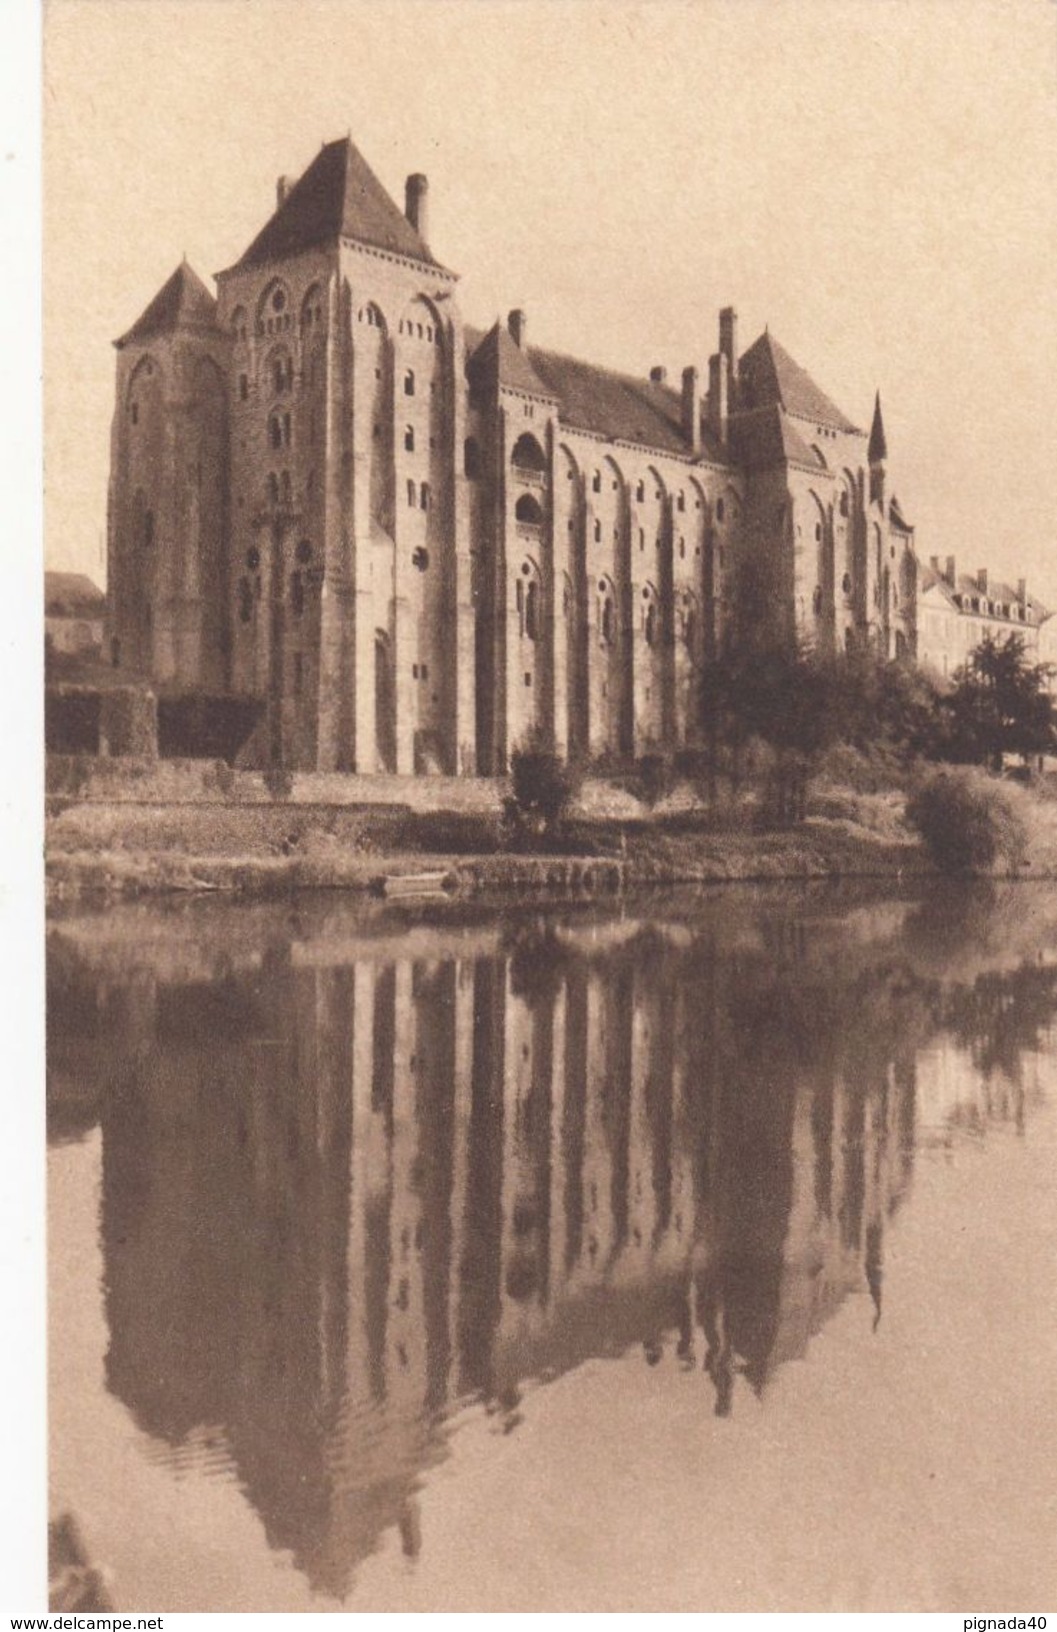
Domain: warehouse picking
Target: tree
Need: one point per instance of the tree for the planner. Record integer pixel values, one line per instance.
(1001, 704)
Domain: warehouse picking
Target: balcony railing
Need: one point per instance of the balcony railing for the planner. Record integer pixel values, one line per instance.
(530, 478)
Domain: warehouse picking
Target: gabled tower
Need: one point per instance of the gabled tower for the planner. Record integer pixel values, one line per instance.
(350, 591)
(166, 545)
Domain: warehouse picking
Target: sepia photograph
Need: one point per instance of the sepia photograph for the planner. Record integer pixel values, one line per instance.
(549, 668)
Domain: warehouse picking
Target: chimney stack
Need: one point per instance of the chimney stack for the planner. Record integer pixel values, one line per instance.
(1022, 591)
(416, 204)
(952, 577)
(719, 394)
(658, 374)
(981, 580)
(691, 409)
(728, 340)
(517, 323)
(282, 191)
(934, 563)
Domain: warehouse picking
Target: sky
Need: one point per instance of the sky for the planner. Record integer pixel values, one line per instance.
(875, 180)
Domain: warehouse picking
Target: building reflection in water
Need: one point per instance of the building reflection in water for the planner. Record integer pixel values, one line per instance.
(351, 1183)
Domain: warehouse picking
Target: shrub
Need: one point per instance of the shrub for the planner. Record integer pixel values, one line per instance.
(279, 781)
(653, 779)
(542, 787)
(969, 821)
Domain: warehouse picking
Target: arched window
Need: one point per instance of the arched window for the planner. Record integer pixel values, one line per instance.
(532, 610)
(471, 457)
(720, 509)
(640, 490)
(844, 501)
(239, 325)
(245, 600)
(598, 531)
(816, 600)
(409, 439)
(286, 488)
(527, 510)
(275, 431)
(845, 584)
(606, 622)
(420, 559)
(273, 487)
(411, 493)
(649, 623)
(527, 453)
(297, 593)
(596, 482)
(409, 383)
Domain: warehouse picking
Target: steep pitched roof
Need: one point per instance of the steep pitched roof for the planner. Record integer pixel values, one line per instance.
(183, 301)
(767, 374)
(895, 515)
(71, 594)
(877, 449)
(498, 357)
(766, 437)
(620, 407)
(338, 196)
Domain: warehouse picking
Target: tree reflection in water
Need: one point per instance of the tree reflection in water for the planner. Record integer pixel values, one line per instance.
(354, 1177)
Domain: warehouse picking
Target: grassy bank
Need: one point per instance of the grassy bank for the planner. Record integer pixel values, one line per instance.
(610, 843)
(118, 849)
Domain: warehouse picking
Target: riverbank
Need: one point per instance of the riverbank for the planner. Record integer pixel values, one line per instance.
(182, 828)
(122, 849)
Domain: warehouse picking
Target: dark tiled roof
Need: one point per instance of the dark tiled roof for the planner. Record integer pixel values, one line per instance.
(768, 437)
(620, 407)
(895, 515)
(71, 594)
(339, 196)
(183, 301)
(768, 375)
(967, 585)
(498, 357)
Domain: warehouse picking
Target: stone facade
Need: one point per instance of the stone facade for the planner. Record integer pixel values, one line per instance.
(422, 545)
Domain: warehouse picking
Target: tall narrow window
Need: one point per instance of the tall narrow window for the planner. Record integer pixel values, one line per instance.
(244, 387)
(286, 488)
(598, 532)
(472, 458)
(273, 487)
(424, 496)
(532, 610)
(409, 439)
(411, 493)
(409, 383)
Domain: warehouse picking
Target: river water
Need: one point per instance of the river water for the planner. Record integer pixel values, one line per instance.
(698, 1255)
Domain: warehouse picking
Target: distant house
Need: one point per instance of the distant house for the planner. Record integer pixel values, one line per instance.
(74, 610)
(956, 610)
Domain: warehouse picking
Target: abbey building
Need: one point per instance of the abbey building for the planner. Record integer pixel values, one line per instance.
(418, 545)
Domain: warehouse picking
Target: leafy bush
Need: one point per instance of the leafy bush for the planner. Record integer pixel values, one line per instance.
(653, 779)
(542, 788)
(279, 780)
(969, 821)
